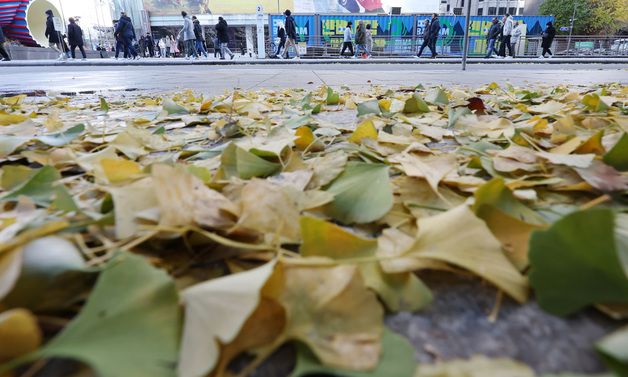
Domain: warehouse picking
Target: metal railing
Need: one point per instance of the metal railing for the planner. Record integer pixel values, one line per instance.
(452, 46)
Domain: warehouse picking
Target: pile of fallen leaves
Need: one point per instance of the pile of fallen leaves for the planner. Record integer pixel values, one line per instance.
(150, 236)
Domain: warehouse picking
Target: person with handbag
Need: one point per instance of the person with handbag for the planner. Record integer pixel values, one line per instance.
(548, 39)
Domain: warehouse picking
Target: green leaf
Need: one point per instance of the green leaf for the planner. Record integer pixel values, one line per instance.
(397, 360)
(495, 193)
(316, 109)
(618, 156)
(62, 138)
(173, 108)
(415, 104)
(63, 200)
(15, 175)
(236, 162)
(130, 325)
(104, 105)
(362, 193)
(614, 351)
(455, 113)
(333, 98)
(399, 291)
(577, 262)
(160, 131)
(39, 187)
(594, 103)
(437, 96)
(369, 107)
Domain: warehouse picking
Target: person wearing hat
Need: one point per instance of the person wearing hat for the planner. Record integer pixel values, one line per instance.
(54, 42)
(291, 32)
(3, 52)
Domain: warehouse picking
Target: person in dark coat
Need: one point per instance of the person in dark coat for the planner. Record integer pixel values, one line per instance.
(119, 43)
(291, 32)
(222, 32)
(198, 34)
(492, 36)
(54, 42)
(150, 43)
(75, 37)
(434, 31)
(126, 32)
(548, 39)
(426, 37)
(3, 52)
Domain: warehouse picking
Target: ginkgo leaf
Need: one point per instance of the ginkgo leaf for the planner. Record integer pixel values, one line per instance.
(62, 138)
(369, 107)
(397, 360)
(11, 118)
(432, 168)
(173, 108)
(571, 160)
(415, 104)
(614, 351)
(321, 303)
(128, 327)
(577, 262)
(215, 312)
(400, 292)
(327, 168)
(237, 162)
(333, 98)
(594, 103)
(365, 130)
(437, 96)
(9, 144)
(355, 204)
(617, 157)
(119, 170)
(19, 334)
(128, 201)
(472, 246)
(39, 187)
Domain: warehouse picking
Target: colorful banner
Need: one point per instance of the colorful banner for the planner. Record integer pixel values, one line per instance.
(305, 27)
(174, 7)
(393, 32)
(451, 36)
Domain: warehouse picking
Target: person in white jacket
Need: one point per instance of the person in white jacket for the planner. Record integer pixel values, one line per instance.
(506, 37)
(516, 37)
(347, 42)
(189, 38)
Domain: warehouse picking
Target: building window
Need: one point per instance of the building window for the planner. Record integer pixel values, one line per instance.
(458, 11)
(512, 11)
(448, 8)
(492, 11)
(462, 3)
(520, 11)
(480, 11)
(501, 11)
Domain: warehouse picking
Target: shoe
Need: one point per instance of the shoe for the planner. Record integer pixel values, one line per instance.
(281, 57)
(232, 57)
(197, 58)
(494, 56)
(354, 57)
(541, 57)
(137, 58)
(222, 58)
(187, 58)
(84, 59)
(550, 57)
(501, 57)
(508, 57)
(296, 58)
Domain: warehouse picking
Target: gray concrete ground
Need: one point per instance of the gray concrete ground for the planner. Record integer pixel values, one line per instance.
(457, 323)
(216, 79)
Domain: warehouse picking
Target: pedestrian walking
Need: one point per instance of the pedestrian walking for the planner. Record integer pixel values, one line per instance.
(3, 51)
(126, 32)
(75, 37)
(119, 42)
(369, 40)
(347, 42)
(142, 46)
(426, 38)
(174, 48)
(492, 36)
(434, 31)
(291, 33)
(548, 39)
(150, 44)
(517, 31)
(507, 37)
(54, 40)
(198, 34)
(281, 33)
(222, 31)
(188, 37)
(360, 40)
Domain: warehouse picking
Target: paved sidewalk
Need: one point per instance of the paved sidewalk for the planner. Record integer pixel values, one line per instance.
(252, 61)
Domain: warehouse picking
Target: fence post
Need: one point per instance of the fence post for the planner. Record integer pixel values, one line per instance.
(467, 24)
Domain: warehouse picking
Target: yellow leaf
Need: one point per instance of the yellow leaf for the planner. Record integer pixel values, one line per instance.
(365, 130)
(459, 238)
(118, 170)
(8, 119)
(19, 334)
(593, 145)
(385, 104)
(305, 137)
